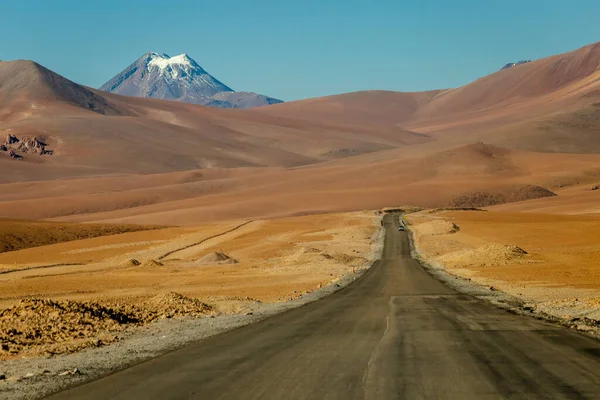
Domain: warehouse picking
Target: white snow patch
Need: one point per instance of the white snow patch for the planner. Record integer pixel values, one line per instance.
(184, 72)
(171, 66)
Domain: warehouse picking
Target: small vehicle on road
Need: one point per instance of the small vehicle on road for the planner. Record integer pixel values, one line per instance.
(401, 228)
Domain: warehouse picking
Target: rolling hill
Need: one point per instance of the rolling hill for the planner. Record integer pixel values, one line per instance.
(528, 131)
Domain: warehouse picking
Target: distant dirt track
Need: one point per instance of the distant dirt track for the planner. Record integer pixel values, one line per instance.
(8, 271)
(204, 240)
(396, 333)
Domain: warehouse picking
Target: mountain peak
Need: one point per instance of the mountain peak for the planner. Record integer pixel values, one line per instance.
(173, 67)
(178, 78)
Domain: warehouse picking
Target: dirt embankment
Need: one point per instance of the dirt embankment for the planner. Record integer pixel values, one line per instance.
(17, 234)
(508, 194)
(549, 263)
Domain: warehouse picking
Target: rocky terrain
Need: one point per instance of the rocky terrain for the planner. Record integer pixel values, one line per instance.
(513, 64)
(15, 148)
(36, 326)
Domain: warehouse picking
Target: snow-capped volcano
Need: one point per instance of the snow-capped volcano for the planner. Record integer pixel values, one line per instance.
(178, 78)
(185, 69)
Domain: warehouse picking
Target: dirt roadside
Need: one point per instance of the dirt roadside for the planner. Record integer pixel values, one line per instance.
(449, 260)
(34, 377)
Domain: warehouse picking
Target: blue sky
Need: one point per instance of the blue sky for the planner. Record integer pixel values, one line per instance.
(293, 49)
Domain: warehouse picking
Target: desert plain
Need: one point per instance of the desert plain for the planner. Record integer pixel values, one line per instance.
(120, 211)
(226, 265)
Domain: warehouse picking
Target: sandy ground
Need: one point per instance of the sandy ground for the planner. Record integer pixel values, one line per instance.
(274, 260)
(232, 273)
(550, 262)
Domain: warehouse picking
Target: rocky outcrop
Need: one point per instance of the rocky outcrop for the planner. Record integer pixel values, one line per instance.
(11, 139)
(510, 65)
(15, 147)
(13, 155)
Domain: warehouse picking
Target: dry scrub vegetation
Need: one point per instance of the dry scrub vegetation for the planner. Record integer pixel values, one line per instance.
(53, 327)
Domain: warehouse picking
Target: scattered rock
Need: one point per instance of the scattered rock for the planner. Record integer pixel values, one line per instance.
(495, 254)
(438, 227)
(51, 324)
(583, 328)
(132, 263)
(152, 264)
(74, 371)
(11, 139)
(173, 304)
(29, 375)
(12, 154)
(345, 258)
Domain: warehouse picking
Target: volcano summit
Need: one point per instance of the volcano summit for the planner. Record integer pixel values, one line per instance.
(179, 78)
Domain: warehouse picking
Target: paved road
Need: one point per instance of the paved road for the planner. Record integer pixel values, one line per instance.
(396, 333)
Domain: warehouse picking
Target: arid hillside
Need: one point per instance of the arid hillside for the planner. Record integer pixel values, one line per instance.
(90, 133)
(549, 105)
(472, 175)
(77, 154)
(23, 234)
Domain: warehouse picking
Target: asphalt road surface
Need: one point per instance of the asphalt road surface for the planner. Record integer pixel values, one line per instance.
(396, 333)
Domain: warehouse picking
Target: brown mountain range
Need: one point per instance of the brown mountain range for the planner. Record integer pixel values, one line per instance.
(524, 132)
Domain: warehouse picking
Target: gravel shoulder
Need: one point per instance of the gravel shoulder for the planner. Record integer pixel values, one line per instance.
(33, 378)
(568, 307)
